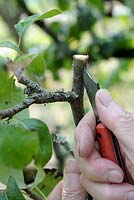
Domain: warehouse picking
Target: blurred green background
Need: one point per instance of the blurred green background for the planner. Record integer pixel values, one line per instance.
(101, 28)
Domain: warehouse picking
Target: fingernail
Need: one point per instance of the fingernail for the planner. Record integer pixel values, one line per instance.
(104, 97)
(130, 196)
(115, 177)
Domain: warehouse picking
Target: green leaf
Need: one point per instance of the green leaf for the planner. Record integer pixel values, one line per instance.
(2, 195)
(45, 146)
(11, 95)
(17, 146)
(23, 60)
(49, 182)
(25, 23)
(2, 63)
(10, 45)
(12, 191)
(36, 67)
(17, 174)
(5, 95)
(39, 178)
(49, 14)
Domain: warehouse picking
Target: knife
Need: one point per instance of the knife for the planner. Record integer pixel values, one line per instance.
(108, 144)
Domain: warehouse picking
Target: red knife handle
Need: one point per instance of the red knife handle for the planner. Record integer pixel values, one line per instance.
(109, 149)
(105, 142)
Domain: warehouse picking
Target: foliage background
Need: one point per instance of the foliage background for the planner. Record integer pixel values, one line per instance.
(101, 28)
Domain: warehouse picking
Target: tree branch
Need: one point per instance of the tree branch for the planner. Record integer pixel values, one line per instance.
(9, 113)
(79, 63)
(31, 86)
(38, 98)
(36, 94)
(41, 24)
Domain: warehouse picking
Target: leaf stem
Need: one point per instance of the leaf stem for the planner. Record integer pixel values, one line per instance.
(19, 42)
(41, 193)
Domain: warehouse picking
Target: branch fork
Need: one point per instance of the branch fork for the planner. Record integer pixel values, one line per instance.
(37, 95)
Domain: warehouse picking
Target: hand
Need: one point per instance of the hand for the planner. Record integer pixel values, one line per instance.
(70, 188)
(102, 178)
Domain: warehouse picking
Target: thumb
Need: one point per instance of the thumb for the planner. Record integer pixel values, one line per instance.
(114, 117)
(72, 189)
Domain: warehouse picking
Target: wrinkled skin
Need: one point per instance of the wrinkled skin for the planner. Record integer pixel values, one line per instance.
(100, 177)
(70, 187)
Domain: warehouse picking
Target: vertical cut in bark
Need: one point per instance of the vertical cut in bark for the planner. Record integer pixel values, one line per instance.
(79, 62)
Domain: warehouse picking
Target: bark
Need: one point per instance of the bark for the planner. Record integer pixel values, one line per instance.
(36, 94)
(79, 63)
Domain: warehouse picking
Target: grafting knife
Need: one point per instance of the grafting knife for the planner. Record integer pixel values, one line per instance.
(108, 144)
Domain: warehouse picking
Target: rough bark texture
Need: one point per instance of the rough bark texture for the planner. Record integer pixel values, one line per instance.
(36, 94)
(79, 63)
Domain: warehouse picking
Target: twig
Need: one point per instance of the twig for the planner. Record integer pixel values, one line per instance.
(59, 139)
(36, 94)
(79, 63)
(39, 98)
(9, 113)
(31, 86)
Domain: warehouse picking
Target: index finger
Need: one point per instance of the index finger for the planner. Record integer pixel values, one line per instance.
(85, 135)
(89, 160)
